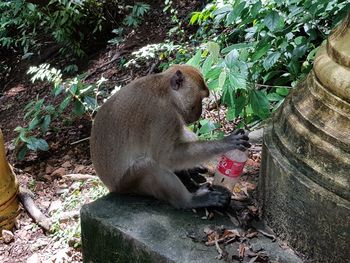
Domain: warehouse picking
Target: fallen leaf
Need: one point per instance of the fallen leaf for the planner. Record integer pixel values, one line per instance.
(251, 234)
(241, 251)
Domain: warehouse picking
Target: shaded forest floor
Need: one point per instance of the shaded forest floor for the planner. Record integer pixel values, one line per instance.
(47, 174)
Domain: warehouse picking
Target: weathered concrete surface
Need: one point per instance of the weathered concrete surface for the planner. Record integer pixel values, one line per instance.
(304, 182)
(132, 229)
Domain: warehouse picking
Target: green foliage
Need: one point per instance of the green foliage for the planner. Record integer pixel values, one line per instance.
(165, 53)
(133, 19)
(67, 22)
(259, 48)
(136, 14)
(81, 98)
(118, 36)
(177, 29)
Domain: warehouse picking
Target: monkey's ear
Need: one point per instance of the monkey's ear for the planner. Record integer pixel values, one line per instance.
(177, 80)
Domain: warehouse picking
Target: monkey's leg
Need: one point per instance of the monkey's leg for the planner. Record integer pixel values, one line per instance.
(150, 179)
(187, 180)
(191, 178)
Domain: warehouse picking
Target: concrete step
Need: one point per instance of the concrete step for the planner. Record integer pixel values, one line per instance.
(131, 229)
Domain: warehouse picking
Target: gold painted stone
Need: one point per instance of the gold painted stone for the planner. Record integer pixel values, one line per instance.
(9, 204)
(304, 185)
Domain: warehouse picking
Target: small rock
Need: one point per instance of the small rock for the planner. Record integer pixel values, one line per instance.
(39, 186)
(7, 236)
(35, 258)
(66, 157)
(45, 204)
(66, 164)
(48, 169)
(59, 172)
(28, 169)
(62, 191)
(79, 169)
(55, 205)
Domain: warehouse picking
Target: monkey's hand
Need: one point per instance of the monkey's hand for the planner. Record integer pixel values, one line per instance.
(238, 140)
(206, 196)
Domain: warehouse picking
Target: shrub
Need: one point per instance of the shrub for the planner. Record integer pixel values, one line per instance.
(259, 48)
(80, 96)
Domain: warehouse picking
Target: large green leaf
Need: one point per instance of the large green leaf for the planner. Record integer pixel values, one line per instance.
(207, 65)
(223, 10)
(194, 61)
(282, 91)
(260, 104)
(240, 103)
(271, 59)
(274, 97)
(272, 20)
(261, 51)
(238, 46)
(214, 50)
(237, 79)
(42, 145)
(64, 103)
(22, 153)
(45, 124)
(231, 58)
(235, 13)
(222, 79)
(78, 108)
(207, 126)
(231, 114)
(213, 73)
(33, 123)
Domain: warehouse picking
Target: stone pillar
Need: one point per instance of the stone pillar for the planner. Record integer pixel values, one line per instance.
(9, 205)
(304, 184)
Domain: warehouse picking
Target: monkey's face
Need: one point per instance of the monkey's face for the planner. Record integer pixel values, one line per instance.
(195, 105)
(189, 89)
(192, 96)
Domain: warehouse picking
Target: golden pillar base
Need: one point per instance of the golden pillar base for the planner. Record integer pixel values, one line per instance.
(304, 183)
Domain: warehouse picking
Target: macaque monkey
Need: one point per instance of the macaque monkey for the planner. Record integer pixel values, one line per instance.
(139, 139)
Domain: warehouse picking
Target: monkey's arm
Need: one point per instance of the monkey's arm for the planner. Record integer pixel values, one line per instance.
(189, 154)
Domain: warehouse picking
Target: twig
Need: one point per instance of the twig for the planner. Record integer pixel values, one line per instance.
(68, 215)
(217, 106)
(230, 240)
(78, 177)
(79, 141)
(273, 237)
(270, 86)
(26, 199)
(213, 242)
(218, 248)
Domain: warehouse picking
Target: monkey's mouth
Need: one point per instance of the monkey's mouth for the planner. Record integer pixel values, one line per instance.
(194, 115)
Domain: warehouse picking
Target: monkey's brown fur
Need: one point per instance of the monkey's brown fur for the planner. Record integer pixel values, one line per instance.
(138, 138)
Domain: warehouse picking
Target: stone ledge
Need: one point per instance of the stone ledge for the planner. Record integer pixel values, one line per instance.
(130, 229)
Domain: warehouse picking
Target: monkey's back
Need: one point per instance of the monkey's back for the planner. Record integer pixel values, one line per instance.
(129, 127)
